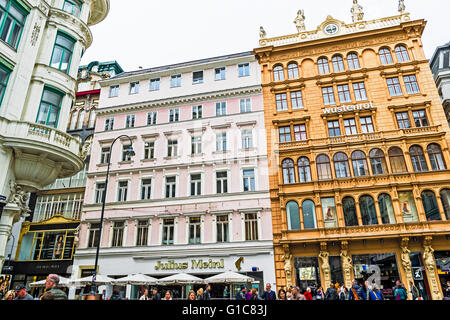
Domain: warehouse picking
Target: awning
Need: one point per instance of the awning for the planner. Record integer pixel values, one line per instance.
(63, 282)
(181, 279)
(229, 277)
(99, 280)
(136, 279)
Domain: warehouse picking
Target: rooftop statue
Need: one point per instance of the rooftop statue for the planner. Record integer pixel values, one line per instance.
(357, 11)
(300, 21)
(262, 33)
(401, 6)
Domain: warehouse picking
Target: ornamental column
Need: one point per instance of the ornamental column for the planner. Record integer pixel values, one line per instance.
(325, 265)
(287, 265)
(11, 214)
(430, 266)
(347, 264)
(406, 263)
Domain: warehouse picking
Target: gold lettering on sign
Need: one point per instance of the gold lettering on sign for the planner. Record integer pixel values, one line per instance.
(195, 264)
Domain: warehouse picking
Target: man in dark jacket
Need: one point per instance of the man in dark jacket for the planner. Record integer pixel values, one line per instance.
(207, 294)
(269, 294)
(156, 295)
(241, 294)
(22, 294)
(51, 284)
(356, 292)
(331, 293)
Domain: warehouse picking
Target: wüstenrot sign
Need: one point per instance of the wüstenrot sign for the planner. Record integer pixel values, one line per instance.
(355, 107)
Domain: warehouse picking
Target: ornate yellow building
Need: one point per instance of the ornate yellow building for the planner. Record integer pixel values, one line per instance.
(359, 155)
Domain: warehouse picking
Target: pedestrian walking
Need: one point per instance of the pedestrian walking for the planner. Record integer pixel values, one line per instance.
(447, 291)
(241, 294)
(22, 294)
(254, 295)
(356, 292)
(282, 294)
(331, 293)
(191, 296)
(414, 291)
(289, 293)
(156, 295)
(115, 295)
(375, 294)
(320, 294)
(51, 285)
(225, 292)
(200, 294)
(308, 294)
(400, 292)
(207, 292)
(344, 294)
(268, 294)
(296, 295)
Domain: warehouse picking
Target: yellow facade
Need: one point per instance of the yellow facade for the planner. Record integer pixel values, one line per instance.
(361, 201)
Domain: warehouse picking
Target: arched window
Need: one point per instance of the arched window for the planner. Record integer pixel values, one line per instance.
(445, 198)
(341, 166)
(353, 61)
(359, 161)
(304, 170)
(293, 215)
(436, 158)
(309, 214)
(402, 53)
(397, 160)
(385, 56)
(349, 207)
(278, 73)
(386, 209)
(368, 212)
(293, 70)
(324, 67)
(324, 167)
(288, 171)
(430, 205)
(338, 63)
(378, 162)
(418, 159)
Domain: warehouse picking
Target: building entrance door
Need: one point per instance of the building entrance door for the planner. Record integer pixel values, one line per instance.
(420, 275)
(335, 271)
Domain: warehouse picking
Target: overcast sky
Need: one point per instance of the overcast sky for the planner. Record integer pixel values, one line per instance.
(152, 33)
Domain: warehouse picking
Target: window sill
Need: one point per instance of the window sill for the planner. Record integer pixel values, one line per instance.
(125, 162)
(196, 155)
(102, 164)
(148, 160)
(171, 158)
(247, 149)
(221, 152)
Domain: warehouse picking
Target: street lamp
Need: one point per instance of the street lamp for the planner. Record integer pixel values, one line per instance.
(131, 153)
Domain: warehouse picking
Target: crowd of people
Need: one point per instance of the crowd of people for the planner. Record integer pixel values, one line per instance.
(52, 292)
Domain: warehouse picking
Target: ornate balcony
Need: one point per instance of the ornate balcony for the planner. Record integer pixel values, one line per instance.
(99, 11)
(41, 154)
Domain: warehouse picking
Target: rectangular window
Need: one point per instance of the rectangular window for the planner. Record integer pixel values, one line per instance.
(151, 118)
(344, 93)
(146, 189)
(420, 118)
(99, 192)
(126, 156)
(197, 77)
(149, 150)
(73, 7)
(109, 124)
(219, 74)
(62, 52)
(174, 115)
(221, 109)
(117, 233)
(222, 182)
(49, 108)
(403, 120)
(244, 70)
(334, 129)
(247, 139)
(130, 121)
(412, 87)
(197, 112)
(94, 235)
(281, 100)
(300, 132)
(194, 230)
(360, 91)
(4, 77)
(175, 81)
(170, 187)
(222, 228)
(134, 87)
(394, 87)
(105, 154)
(251, 226)
(221, 141)
(350, 127)
(12, 20)
(168, 231)
(366, 124)
(113, 91)
(122, 191)
(249, 180)
(142, 233)
(328, 96)
(245, 105)
(285, 134)
(196, 145)
(196, 184)
(296, 100)
(154, 84)
(172, 148)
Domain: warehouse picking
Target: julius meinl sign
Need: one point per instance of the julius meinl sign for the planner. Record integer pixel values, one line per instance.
(194, 264)
(355, 107)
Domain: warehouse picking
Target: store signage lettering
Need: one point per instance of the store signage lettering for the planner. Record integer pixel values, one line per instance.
(194, 264)
(355, 107)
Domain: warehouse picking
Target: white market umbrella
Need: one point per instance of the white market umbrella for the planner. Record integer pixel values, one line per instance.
(180, 279)
(229, 277)
(63, 282)
(136, 279)
(99, 280)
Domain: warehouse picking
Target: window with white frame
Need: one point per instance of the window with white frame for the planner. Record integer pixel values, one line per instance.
(222, 182)
(174, 115)
(154, 84)
(171, 187)
(247, 139)
(142, 227)
(194, 230)
(219, 73)
(122, 191)
(149, 150)
(197, 112)
(134, 87)
(117, 233)
(222, 228)
(114, 91)
(94, 235)
(244, 70)
(196, 145)
(251, 226)
(130, 121)
(109, 124)
(168, 231)
(249, 179)
(196, 184)
(221, 142)
(246, 105)
(175, 81)
(172, 148)
(105, 155)
(99, 192)
(146, 189)
(151, 118)
(221, 108)
(126, 156)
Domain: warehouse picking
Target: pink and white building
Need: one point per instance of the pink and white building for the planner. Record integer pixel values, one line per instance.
(195, 197)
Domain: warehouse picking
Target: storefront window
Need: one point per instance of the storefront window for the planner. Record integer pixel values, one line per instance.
(336, 269)
(386, 209)
(445, 198)
(443, 267)
(329, 212)
(307, 272)
(293, 215)
(430, 205)
(419, 274)
(387, 264)
(348, 205)
(48, 245)
(408, 206)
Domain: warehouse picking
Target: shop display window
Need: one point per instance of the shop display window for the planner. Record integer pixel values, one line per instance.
(408, 206)
(307, 272)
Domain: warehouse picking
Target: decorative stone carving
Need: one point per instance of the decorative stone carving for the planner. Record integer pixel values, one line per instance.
(262, 32)
(406, 263)
(35, 33)
(324, 263)
(19, 197)
(300, 21)
(85, 149)
(430, 266)
(401, 6)
(287, 266)
(347, 264)
(357, 11)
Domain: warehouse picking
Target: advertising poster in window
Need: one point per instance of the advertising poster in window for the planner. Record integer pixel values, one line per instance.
(408, 206)
(58, 248)
(329, 212)
(308, 273)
